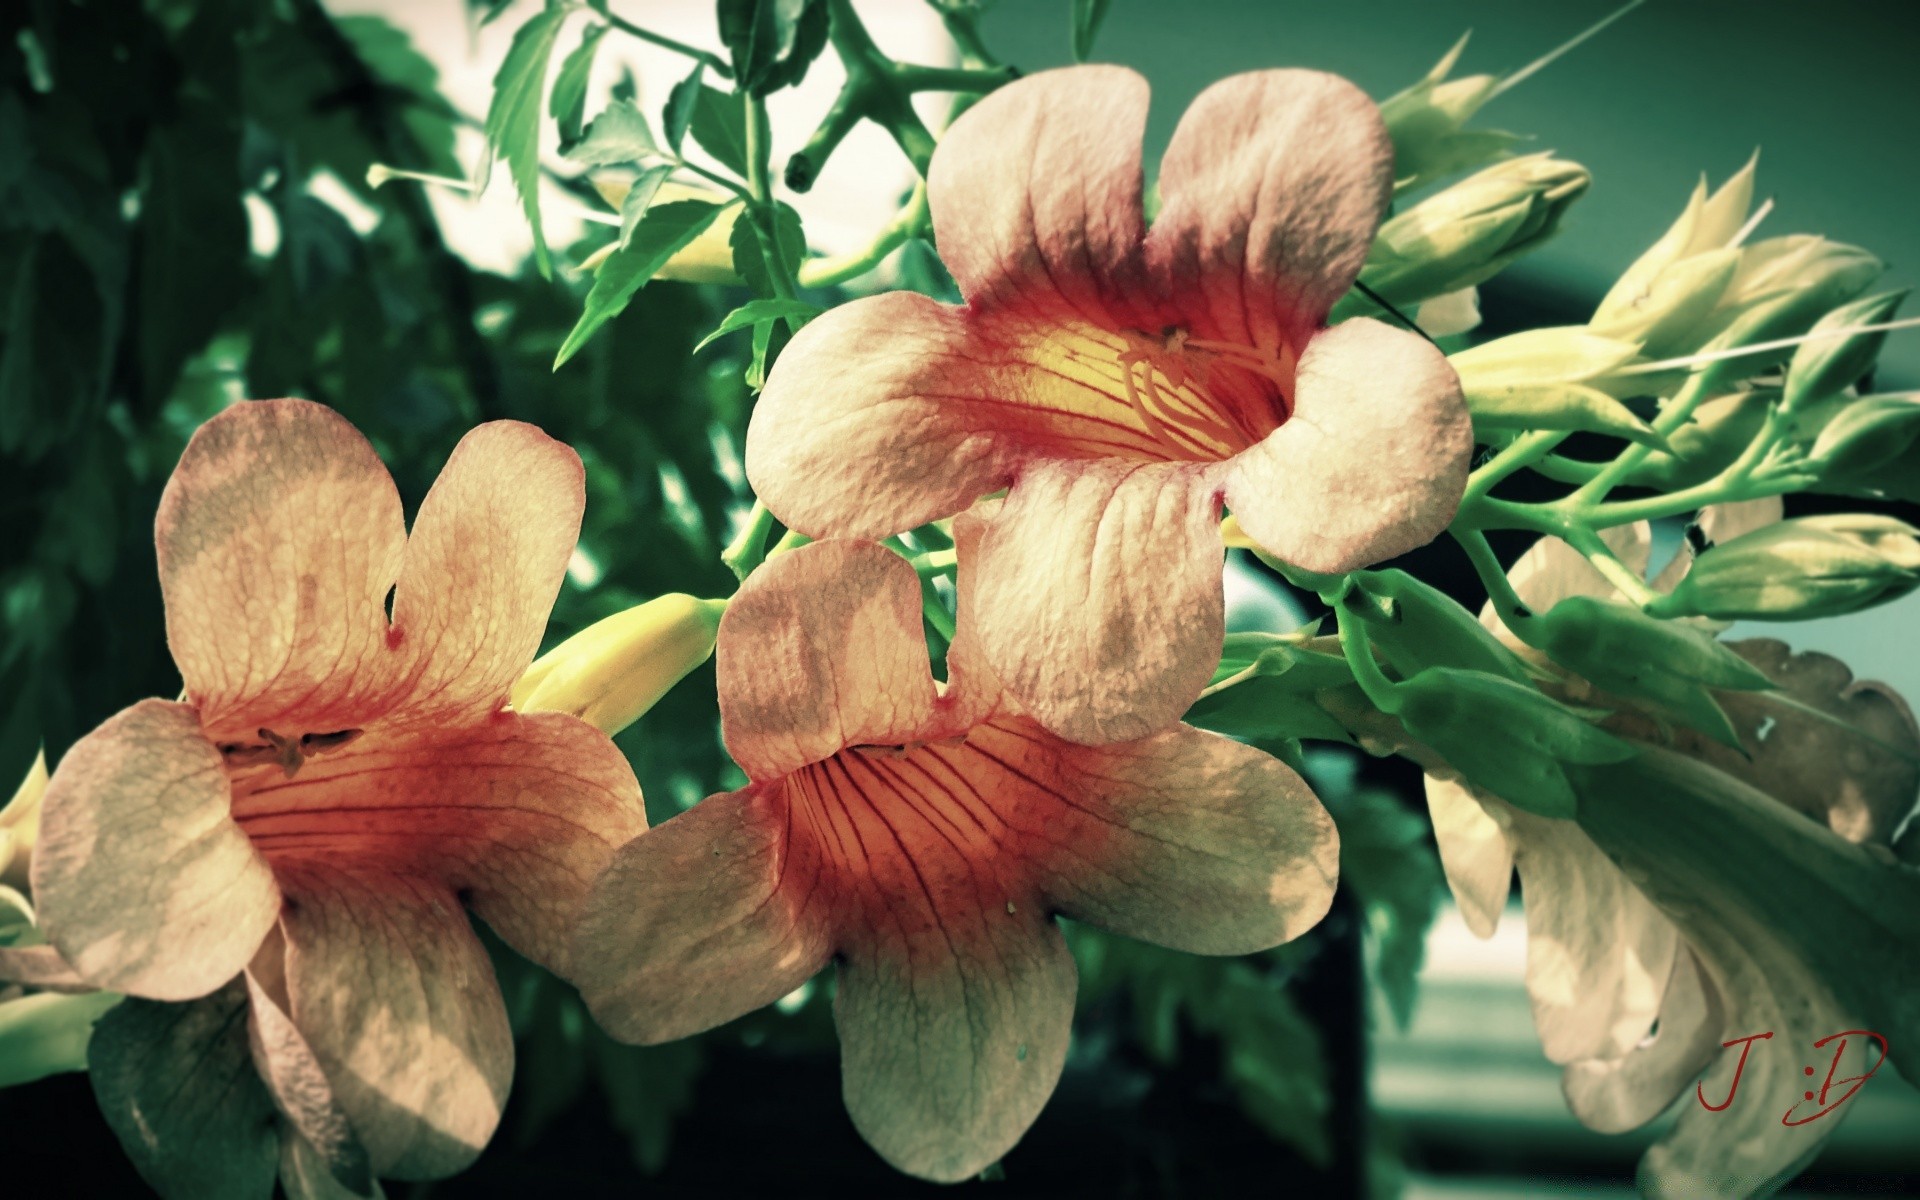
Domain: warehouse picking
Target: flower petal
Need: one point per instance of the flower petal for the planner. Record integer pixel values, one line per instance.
(717, 912)
(1185, 839)
(953, 1027)
(489, 548)
(1098, 599)
(1035, 194)
(1373, 460)
(143, 881)
(398, 1001)
(1614, 1095)
(1598, 952)
(517, 814)
(1270, 192)
(822, 648)
(279, 535)
(1471, 831)
(294, 1078)
(972, 690)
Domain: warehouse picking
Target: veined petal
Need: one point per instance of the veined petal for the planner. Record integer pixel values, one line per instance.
(398, 1001)
(294, 1077)
(1371, 464)
(1185, 839)
(279, 535)
(1598, 952)
(1271, 191)
(821, 649)
(489, 548)
(1127, 628)
(1614, 1095)
(972, 691)
(1035, 194)
(721, 910)
(1471, 831)
(143, 881)
(517, 814)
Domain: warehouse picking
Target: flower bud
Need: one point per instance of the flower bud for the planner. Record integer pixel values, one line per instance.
(20, 824)
(1426, 124)
(614, 670)
(1680, 278)
(1707, 444)
(708, 258)
(1863, 438)
(1505, 737)
(1467, 233)
(1826, 365)
(1621, 650)
(1782, 287)
(1549, 379)
(1797, 570)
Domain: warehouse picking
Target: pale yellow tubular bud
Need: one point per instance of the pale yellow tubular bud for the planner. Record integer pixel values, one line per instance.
(1637, 281)
(1566, 353)
(610, 673)
(1725, 214)
(1680, 278)
(20, 824)
(706, 259)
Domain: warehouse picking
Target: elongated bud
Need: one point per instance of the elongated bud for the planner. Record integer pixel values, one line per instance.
(1467, 233)
(1718, 432)
(20, 824)
(1783, 286)
(1824, 366)
(708, 258)
(1681, 277)
(614, 670)
(1621, 650)
(1505, 737)
(1426, 123)
(1797, 570)
(1424, 627)
(1865, 435)
(1549, 379)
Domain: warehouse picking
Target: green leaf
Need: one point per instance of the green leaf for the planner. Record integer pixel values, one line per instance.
(772, 42)
(719, 127)
(513, 119)
(639, 199)
(1088, 15)
(46, 1034)
(749, 250)
(568, 104)
(663, 232)
(618, 135)
(754, 312)
(680, 105)
(176, 1083)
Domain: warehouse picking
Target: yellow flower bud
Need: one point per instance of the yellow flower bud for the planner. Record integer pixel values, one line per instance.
(1549, 379)
(614, 670)
(1824, 566)
(1427, 124)
(20, 824)
(1683, 274)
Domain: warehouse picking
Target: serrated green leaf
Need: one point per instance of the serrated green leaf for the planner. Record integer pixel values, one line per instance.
(1088, 15)
(568, 104)
(755, 312)
(176, 1083)
(680, 104)
(639, 199)
(619, 135)
(749, 250)
(662, 232)
(772, 42)
(719, 127)
(513, 119)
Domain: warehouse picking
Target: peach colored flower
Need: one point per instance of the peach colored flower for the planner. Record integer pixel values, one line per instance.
(924, 838)
(338, 786)
(1124, 382)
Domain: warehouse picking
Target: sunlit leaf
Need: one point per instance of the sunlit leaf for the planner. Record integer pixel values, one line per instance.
(513, 119)
(568, 103)
(618, 135)
(720, 128)
(756, 312)
(772, 42)
(680, 104)
(663, 232)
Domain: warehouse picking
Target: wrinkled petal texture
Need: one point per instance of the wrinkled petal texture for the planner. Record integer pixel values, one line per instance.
(1614, 1095)
(516, 814)
(1373, 461)
(144, 881)
(1097, 599)
(398, 1001)
(278, 535)
(1470, 828)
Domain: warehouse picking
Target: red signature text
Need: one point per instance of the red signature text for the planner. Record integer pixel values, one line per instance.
(1824, 1101)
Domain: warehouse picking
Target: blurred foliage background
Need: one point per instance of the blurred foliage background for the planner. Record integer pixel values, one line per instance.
(184, 221)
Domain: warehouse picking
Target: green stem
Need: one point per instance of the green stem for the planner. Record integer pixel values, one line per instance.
(935, 563)
(963, 26)
(713, 62)
(1512, 609)
(1619, 574)
(934, 609)
(749, 550)
(1354, 644)
(831, 272)
(1671, 418)
(716, 178)
(1520, 453)
(915, 78)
